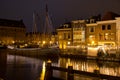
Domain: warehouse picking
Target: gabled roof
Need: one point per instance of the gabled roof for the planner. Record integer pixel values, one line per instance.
(110, 16)
(65, 25)
(12, 23)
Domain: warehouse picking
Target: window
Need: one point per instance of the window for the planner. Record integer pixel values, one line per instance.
(92, 29)
(109, 27)
(68, 36)
(64, 35)
(91, 38)
(60, 37)
(106, 36)
(101, 36)
(103, 27)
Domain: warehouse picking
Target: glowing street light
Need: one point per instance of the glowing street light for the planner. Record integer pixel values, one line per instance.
(68, 43)
(13, 42)
(50, 42)
(44, 42)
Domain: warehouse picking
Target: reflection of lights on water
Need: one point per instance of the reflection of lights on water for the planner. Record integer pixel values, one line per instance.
(43, 72)
(68, 63)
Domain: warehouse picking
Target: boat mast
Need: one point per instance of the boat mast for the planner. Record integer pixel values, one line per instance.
(34, 31)
(48, 24)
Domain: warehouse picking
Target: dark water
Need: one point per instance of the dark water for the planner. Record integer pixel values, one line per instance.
(26, 68)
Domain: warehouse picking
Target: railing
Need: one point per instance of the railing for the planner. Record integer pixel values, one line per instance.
(71, 72)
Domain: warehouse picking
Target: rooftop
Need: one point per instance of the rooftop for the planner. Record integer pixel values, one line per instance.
(110, 16)
(12, 23)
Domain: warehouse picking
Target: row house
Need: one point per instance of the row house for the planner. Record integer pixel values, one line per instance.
(105, 32)
(12, 31)
(65, 37)
(93, 32)
(72, 34)
(78, 32)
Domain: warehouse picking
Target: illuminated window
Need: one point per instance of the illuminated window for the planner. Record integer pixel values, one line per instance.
(92, 37)
(60, 37)
(106, 36)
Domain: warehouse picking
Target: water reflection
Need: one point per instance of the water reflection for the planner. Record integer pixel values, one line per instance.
(26, 68)
(43, 71)
(23, 68)
(109, 68)
(3, 65)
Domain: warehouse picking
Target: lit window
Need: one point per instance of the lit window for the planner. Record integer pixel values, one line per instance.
(92, 37)
(106, 36)
(60, 37)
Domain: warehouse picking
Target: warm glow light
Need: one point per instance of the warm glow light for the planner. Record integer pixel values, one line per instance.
(93, 42)
(60, 46)
(13, 42)
(69, 63)
(50, 42)
(68, 43)
(38, 42)
(44, 42)
(43, 72)
(64, 46)
(57, 42)
(26, 44)
(49, 61)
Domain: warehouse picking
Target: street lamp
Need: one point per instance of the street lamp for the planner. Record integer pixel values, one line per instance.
(44, 42)
(68, 43)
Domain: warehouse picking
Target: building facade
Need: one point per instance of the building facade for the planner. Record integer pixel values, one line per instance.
(103, 32)
(72, 34)
(78, 32)
(12, 31)
(95, 32)
(65, 35)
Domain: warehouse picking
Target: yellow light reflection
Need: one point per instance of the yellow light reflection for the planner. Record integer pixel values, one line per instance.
(43, 72)
(69, 63)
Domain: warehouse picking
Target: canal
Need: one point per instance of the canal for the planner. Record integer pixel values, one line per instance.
(14, 67)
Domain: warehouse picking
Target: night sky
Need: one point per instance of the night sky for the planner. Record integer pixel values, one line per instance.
(60, 11)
